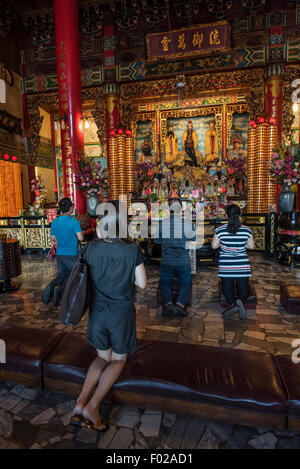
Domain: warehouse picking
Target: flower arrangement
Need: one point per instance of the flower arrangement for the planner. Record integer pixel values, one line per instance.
(90, 178)
(144, 174)
(285, 167)
(236, 168)
(37, 208)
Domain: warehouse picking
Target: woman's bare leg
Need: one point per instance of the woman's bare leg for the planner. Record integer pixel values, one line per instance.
(108, 377)
(92, 378)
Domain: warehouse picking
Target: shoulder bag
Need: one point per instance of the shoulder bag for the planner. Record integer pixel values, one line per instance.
(76, 296)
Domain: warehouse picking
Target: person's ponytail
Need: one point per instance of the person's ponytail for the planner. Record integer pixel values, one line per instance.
(233, 213)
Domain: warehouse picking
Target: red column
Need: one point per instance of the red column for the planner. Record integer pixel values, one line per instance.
(69, 88)
(110, 88)
(54, 154)
(26, 125)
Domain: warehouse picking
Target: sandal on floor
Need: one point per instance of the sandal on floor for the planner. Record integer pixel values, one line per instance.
(86, 423)
(76, 420)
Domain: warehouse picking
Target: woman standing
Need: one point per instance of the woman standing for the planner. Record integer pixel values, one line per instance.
(234, 240)
(115, 266)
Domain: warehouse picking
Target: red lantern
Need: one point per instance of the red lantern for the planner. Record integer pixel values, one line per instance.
(14, 158)
(261, 120)
(120, 131)
(6, 156)
(272, 121)
(253, 123)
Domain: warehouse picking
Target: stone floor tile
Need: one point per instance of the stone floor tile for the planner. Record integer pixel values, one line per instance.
(127, 417)
(65, 407)
(44, 417)
(6, 424)
(106, 437)
(150, 424)
(29, 393)
(122, 439)
(169, 419)
(221, 429)
(289, 443)
(86, 436)
(10, 402)
(192, 434)
(265, 441)
(209, 440)
(176, 435)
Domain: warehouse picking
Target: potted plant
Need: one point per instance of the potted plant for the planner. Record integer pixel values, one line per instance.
(286, 173)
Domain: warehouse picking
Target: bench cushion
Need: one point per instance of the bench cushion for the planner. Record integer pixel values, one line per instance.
(232, 378)
(27, 347)
(290, 375)
(70, 360)
(290, 297)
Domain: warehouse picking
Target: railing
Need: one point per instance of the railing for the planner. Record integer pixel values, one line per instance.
(32, 232)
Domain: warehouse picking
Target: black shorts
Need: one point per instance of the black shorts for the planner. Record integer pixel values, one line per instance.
(112, 327)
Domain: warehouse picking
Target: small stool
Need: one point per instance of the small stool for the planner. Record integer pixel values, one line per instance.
(290, 298)
(251, 299)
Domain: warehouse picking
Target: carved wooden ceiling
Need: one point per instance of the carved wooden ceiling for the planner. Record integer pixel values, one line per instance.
(29, 25)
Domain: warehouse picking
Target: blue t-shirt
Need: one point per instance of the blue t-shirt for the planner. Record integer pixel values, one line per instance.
(64, 228)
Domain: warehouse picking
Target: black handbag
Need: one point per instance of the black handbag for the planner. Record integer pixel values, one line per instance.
(76, 296)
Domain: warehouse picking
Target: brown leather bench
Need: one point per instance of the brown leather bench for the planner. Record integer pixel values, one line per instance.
(231, 385)
(237, 386)
(290, 297)
(251, 300)
(26, 350)
(290, 375)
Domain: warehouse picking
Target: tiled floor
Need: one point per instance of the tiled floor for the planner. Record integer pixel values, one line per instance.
(29, 418)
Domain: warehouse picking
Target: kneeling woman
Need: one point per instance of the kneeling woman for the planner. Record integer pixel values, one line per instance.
(234, 240)
(115, 266)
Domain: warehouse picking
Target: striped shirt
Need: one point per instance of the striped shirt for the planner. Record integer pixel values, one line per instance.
(233, 260)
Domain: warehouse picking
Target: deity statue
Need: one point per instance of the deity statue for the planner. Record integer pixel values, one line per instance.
(190, 143)
(236, 152)
(211, 145)
(171, 146)
(146, 153)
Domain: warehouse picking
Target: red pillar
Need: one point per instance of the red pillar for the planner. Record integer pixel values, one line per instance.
(26, 125)
(69, 89)
(110, 88)
(54, 155)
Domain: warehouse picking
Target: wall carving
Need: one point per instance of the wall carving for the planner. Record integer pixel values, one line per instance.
(207, 82)
(291, 73)
(98, 112)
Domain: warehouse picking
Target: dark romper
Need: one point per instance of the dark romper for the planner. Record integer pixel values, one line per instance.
(112, 321)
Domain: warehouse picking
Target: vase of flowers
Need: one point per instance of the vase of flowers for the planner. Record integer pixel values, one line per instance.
(286, 199)
(237, 173)
(37, 208)
(144, 173)
(93, 181)
(285, 172)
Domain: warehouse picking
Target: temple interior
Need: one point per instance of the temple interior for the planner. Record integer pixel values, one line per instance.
(149, 101)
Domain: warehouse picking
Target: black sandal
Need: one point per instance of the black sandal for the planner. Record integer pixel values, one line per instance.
(86, 423)
(76, 420)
